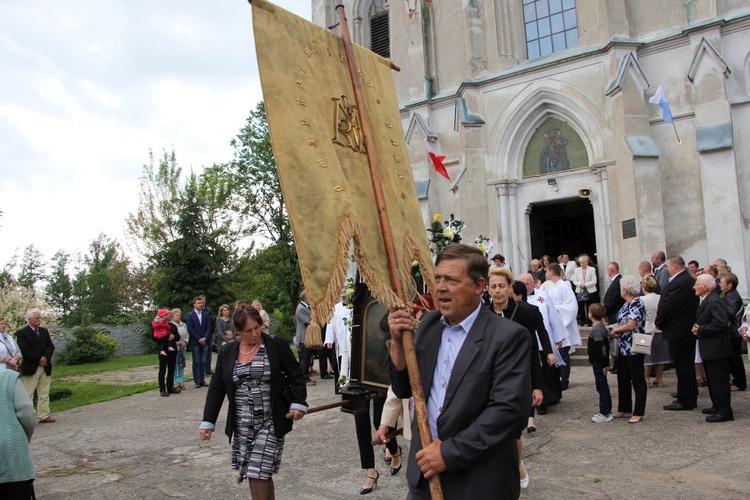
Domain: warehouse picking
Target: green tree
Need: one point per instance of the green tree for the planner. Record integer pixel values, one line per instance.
(59, 289)
(6, 275)
(189, 231)
(154, 224)
(105, 289)
(197, 261)
(261, 200)
(32, 269)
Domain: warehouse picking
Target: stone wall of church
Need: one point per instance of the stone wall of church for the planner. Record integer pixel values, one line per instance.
(467, 86)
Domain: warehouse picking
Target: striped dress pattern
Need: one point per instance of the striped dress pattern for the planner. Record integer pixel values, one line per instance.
(256, 450)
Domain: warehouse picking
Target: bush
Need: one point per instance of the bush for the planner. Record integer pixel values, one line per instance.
(88, 346)
(284, 325)
(58, 394)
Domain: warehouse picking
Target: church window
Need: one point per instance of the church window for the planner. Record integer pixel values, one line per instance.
(380, 41)
(551, 26)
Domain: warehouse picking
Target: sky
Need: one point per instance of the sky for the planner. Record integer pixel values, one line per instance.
(89, 87)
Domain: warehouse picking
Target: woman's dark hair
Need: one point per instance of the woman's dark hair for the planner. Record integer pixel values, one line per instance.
(244, 312)
(520, 289)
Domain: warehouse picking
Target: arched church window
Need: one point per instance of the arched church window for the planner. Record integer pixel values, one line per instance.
(554, 147)
(551, 26)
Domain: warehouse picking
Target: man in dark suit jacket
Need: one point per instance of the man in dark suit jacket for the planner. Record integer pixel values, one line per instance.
(675, 318)
(660, 270)
(475, 373)
(712, 329)
(613, 301)
(644, 269)
(735, 311)
(199, 331)
(36, 370)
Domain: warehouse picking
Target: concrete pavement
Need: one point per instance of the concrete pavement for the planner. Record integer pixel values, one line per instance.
(147, 447)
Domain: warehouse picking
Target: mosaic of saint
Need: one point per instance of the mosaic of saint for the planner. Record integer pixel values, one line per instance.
(554, 147)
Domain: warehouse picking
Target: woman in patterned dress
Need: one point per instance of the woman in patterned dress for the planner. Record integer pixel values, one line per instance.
(631, 319)
(263, 382)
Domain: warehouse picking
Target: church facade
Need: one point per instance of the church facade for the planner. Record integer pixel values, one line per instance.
(541, 108)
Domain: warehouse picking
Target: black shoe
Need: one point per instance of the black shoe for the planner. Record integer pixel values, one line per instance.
(203, 383)
(678, 407)
(326, 377)
(541, 410)
(365, 491)
(209, 372)
(395, 470)
(174, 390)
(530, 429)
(386, 458)
(164, 394)
(564, 386)
(708, 411)
(198, 385)
(712, 419)
(673, 394)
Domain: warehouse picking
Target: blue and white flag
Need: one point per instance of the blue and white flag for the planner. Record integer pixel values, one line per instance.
(660, 99)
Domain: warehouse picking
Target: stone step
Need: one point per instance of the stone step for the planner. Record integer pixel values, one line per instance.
(580, 357)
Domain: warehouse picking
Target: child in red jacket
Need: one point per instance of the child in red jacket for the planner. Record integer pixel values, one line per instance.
(161, 331)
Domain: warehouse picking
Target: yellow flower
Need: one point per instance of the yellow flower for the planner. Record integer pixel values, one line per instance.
(437, 217)
(482, 247)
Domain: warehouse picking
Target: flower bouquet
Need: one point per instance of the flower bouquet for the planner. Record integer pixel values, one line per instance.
(444, 232)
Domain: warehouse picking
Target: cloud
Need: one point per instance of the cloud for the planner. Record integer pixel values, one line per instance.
(90, 86)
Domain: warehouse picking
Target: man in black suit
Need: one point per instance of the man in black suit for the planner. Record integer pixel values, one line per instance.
(644, 269)
(212, 322)
(613, 301)
(36, 370)
(735, 311)
(475, 373)
(660, 270)
(711, 328)
(675, 318)
(199, 332)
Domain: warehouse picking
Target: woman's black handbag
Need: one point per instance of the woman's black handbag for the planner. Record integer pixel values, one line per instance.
(582, 296)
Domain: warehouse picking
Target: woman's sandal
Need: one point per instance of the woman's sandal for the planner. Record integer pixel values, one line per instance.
(395, 470)
(365, 490)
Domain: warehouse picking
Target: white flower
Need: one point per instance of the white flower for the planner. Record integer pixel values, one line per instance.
(449, 232)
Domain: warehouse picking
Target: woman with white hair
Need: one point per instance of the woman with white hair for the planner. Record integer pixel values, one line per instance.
(631, 319)
(584, 280)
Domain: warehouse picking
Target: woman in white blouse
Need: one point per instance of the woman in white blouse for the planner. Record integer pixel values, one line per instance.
(9, 351)
(584, 279)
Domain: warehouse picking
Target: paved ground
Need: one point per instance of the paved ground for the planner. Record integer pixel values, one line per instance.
(147, 447)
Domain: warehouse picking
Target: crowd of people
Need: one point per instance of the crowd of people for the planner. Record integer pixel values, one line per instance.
(493, 351)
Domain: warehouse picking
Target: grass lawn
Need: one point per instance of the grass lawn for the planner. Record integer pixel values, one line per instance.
(122, 363)
(69, 394)
(77, 394)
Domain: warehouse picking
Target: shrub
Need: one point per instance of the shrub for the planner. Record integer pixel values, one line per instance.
(284, 325)
(88, 346)
(58, 394)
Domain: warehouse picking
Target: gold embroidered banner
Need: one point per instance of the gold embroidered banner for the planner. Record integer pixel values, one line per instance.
(320, 155)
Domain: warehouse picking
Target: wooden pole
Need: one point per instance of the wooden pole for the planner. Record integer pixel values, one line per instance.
(675, 132)
(390, 248)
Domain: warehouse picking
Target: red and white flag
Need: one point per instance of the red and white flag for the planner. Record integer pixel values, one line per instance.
(437, 161)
